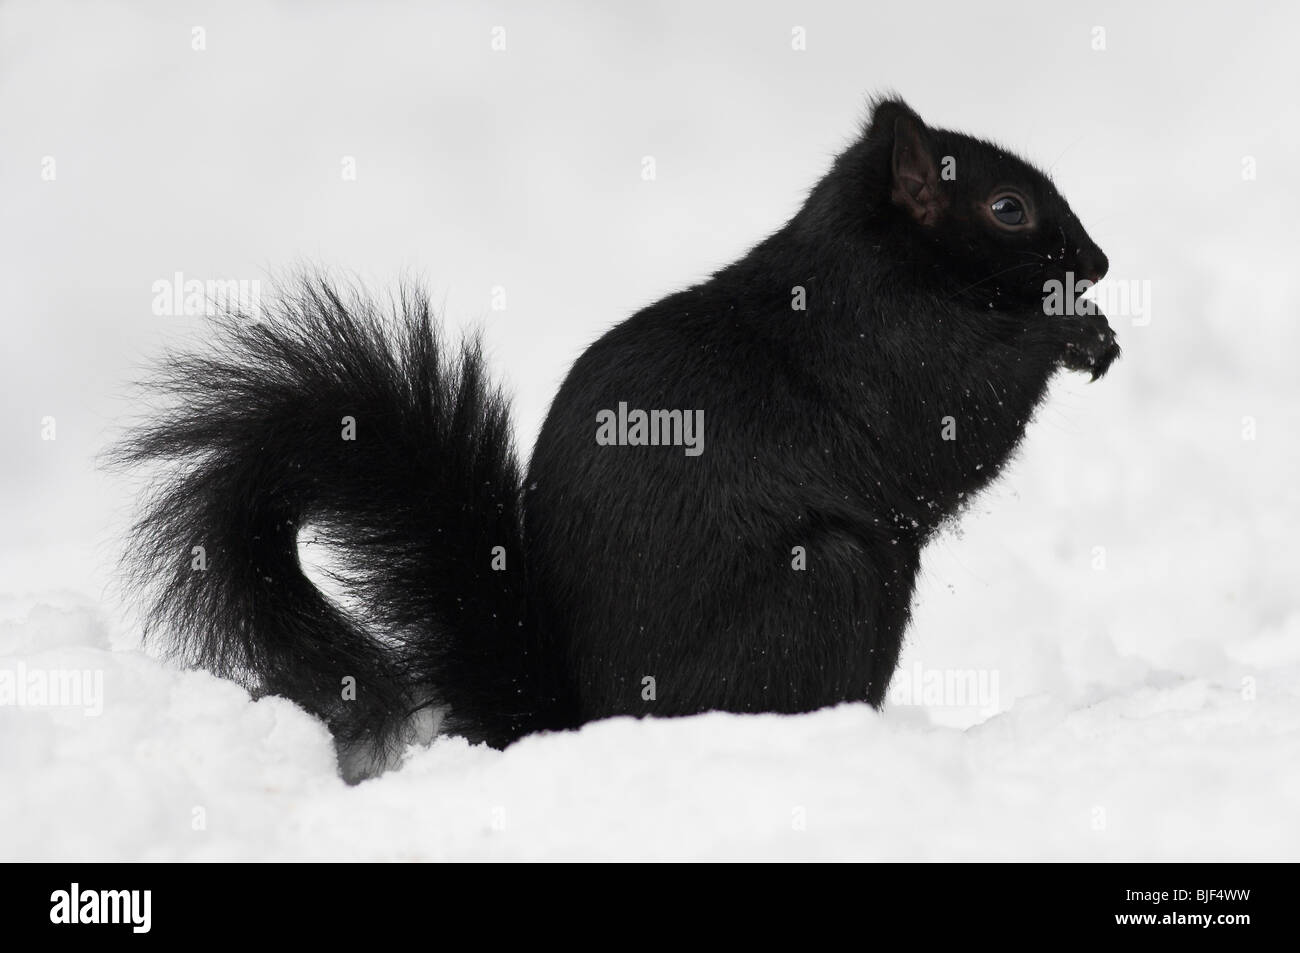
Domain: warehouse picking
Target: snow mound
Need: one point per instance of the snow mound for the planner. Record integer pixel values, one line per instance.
(174, 765)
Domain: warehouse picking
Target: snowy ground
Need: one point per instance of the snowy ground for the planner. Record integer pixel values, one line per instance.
(180, 765)
(1123, 603)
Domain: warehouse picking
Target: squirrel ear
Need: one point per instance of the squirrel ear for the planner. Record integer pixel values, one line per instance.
(916, 177)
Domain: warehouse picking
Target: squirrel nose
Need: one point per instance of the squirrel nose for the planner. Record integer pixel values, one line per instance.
(1094, 265)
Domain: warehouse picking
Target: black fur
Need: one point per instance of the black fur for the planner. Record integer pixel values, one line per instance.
(824, 429)
(429, 484)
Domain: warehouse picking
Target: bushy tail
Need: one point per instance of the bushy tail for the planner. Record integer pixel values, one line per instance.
(334, 411)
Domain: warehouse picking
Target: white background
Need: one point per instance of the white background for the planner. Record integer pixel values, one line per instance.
(1120, 688)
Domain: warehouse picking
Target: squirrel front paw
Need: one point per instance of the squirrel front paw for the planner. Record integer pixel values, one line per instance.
(1089, 345)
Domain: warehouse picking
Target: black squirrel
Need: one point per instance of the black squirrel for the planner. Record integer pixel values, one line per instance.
(744, 538)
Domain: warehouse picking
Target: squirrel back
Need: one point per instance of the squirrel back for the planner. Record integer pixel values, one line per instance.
(726, 504)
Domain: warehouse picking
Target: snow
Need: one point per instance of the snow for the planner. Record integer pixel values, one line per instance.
(184, 766)
(1122, 603)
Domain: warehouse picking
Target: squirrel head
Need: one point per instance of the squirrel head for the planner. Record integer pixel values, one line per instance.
(963, 212)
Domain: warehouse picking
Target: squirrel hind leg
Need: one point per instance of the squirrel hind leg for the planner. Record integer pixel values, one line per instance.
(368, 758)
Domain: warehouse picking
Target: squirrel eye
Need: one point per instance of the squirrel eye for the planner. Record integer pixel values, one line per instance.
(1009, 211)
